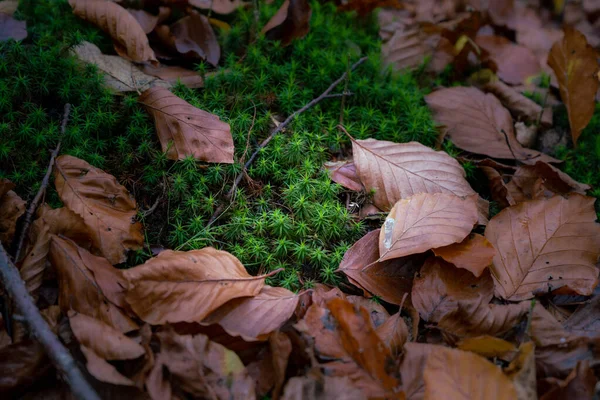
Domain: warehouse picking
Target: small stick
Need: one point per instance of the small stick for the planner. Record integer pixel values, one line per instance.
(278, 129)
(343, 96)
(60, 356)
(36, 200)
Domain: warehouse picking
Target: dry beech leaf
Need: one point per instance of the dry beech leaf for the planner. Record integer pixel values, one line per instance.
(120, 74)
(515, 63)
(575, 64)
(22, 365)
(439, 286)
(269, 371)
(478, 123)
(471, 377)
(106, 207)
(411, 369)
(425, 221)
(9, 7)
(11, 209)
(474, 254)
(580, 384)
(119, 24)
(185, 130)
(34, 264)
(394, 333)
(344, 173)
(321, 388)
(544, 180)
(10, 28)
(64, 222)
(219, 6)
(544, 245)
(488, 346)
(399, 170)
(193, 36)
(100, 342)
(292, 21)
(389, 279)
(586, 319)
(201, 367)
(408, 48)
(499, 189)
(186, 286)
(377, 313)
(320, 325)
(254, 318)
(173, 74)
(149, 21)
(522, 372)
(520, 106)
(89, 284)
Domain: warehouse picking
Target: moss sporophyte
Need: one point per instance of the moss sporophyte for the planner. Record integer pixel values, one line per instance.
(287, 213)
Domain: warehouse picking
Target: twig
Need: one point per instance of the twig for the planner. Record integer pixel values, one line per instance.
(149, 211)
(36, 200)
(509, 146)
(275, 131)
(343, 95)
(60, 356)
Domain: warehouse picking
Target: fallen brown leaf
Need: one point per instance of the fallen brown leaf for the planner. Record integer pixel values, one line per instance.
(393, 333)
(185, 130)
(119, 24)
(292, 21)
(543, 180)
(575, 64)
(439, 286)
(389, 279)
(474, 254)
(411, 369)
(22, 365)
(478, 123)
(9, 7)
(193, 36)
(585, 321)
(200, 367)
(173, 74)
(106, 207)
(269, 372)
(425, 221)
(328, 387)
(515, 63)
(522, 372)
(580, 384)
(89, 284)
(34, 264)
(12, 207)
(149, 21)
(64, 222)
(344, 173)
(488, 346)
(377, 313)
(10, 28)
(180, 286)
(399, 170)
(520, 106)
(254, 318)
(545, 245)
(470, 377)
(408, 48)
(219, 6)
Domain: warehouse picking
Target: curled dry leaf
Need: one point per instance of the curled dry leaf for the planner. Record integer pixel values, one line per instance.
(256, 317)
(377, 313)
(471, 377)
(530, 182)
(22, 365)
(119, 24)
(292, 21)
(185, 130)
(11, 209)
(522, 372)
(488, 347)
(439, 286)
(200, 367)
(474, 254)
(344, 173)
(411, 369)
(520, 106)
(149, 21)
(10, 28)
(89, 284)
(394, 333)
(64, 222)
(100, 342)
(180, 286)
(106, 207)
(321, 388)
(515, 63)
(34, 264)
(585, 320)
(408, 48)
(389, 279)
(580, 384)
(219, 6)
(399, 170)
(425, 221)
(193, 36)
(270, 371)
(545, 245)
(575, 64)
(478, 123)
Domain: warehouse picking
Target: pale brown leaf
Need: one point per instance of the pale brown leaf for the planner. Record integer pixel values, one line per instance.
(544, 180)
(193, 37)
(522, 372)
(399, 170)
(520, 106)
(34, 264)
(185, 130)
(585, 320)
(256, 317)
(64, 222)
(344, 173)
(179, 286)
(328, 387)
(439, 286)
(412, 368)
(425, 221)
(149, 21)
(474, 254)
(100, 369)
(292, 21)
(471, 377)
(408, 48)
(119, 24)
(377, 313)
(575, 64)
(515, 63)
(219, 6)
(544, 245)
(12, 207)
(106, 207)
(9, 7)
(89, 284)
(394, 333)
(478, 123)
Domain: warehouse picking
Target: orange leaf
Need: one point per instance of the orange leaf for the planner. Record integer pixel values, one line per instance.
(478, 123)
(470, 377)
(544, 245)
(106, 207)
(292, 21)
(474, 254)
(119, 24)
(575, 64)
(487, 346)
(185, 130)
(425, 221)
(179, 286)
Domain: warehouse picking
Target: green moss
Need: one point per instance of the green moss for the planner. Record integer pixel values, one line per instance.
(289, 214)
